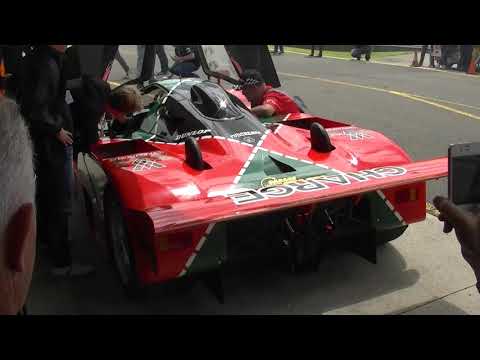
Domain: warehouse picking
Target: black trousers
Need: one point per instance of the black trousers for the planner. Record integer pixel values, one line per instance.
(465, 57)
(54, 208)
(122, 62)
(162, 57)
(148, 65)
(278, 48)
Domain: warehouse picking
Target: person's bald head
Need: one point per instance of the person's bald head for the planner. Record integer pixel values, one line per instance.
(17, 212)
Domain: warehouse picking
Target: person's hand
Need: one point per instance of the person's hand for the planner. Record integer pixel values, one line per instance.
(65, 137)
(467, 229)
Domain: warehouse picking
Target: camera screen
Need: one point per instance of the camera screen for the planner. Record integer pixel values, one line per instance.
(466, 179)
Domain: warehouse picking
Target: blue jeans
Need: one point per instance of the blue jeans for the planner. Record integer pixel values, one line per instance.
(69, 177)
(184, 69)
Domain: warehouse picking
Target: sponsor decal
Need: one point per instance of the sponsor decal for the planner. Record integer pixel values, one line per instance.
(353, 134)
(245, 133)
(273, 188)
(271, 181)
(140, 162)
(249, 140)
(193, 133)
(146, 164)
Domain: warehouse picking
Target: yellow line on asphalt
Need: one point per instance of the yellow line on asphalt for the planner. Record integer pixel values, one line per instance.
(398, 93)
(391, 64)
(408, 96)
(446, 101)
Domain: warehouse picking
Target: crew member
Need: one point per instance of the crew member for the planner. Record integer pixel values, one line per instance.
(93, 100)
(265, 100)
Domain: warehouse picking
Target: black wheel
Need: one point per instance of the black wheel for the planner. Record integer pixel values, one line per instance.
(119, 245)
(384, 236)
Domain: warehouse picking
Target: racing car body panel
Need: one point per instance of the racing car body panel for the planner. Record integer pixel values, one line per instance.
(254, 174)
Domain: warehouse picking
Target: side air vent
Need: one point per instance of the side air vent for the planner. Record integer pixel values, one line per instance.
(193, 155)
(320, 139)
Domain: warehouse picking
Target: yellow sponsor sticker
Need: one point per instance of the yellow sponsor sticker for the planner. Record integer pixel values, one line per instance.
(271, 181)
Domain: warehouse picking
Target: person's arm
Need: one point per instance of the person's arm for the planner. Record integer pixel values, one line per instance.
(188, 57)
(269, 108)
(467, 229)
(262, 111)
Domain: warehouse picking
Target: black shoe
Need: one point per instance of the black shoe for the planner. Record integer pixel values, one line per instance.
(367, 57)
(311, 55)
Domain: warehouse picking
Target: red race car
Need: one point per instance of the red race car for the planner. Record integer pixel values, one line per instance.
(196, 181)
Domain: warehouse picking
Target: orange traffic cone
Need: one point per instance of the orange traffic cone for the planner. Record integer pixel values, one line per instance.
(472, 68)
(2, 78)
(415, 59)
(2, 68)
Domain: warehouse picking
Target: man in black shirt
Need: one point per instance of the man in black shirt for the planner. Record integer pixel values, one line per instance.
(43, 100)
(185, 61)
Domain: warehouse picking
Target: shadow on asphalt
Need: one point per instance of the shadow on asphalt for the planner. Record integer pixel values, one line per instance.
(259, 287)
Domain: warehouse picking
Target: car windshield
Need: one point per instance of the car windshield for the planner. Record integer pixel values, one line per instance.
(218, 105)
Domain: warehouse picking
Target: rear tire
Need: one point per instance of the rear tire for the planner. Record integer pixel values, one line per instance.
(119, 245)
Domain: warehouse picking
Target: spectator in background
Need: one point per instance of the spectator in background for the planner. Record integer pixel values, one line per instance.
(186, 61)
(359, 50)
(123, 64)
(465, 57)
(3, 74)
(422, 55)
(320, 50)
(17, 210)
(44, 100)
(278, 50)
(140, 56)
(467, 229)
(162, 57)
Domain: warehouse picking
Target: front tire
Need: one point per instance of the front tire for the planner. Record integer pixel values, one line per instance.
(119, 245)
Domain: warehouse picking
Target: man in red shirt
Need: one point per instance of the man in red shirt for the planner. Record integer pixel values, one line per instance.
(266, 101)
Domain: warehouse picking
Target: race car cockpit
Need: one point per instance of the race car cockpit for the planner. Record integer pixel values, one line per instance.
(178, 108)
(194, 108)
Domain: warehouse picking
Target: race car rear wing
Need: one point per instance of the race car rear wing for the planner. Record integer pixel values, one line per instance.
(241, 203)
